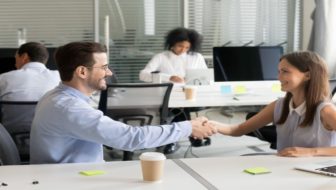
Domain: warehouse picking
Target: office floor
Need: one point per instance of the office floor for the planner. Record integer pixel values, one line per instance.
(220, 145)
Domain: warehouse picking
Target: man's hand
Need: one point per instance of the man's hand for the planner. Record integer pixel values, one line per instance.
(176, 79)
(201, 128)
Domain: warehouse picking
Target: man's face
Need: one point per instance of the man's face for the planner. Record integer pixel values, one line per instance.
(98, 72)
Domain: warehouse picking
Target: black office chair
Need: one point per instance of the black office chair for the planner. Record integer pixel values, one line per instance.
(9, 154)
(16, 117)
(332, 85)
(119, 101)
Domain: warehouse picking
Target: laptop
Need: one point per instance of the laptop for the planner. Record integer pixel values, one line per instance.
(199, 76)
(325, 168)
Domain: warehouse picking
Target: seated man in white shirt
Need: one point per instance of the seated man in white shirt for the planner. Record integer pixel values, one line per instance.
(29, 82)
(67, 129)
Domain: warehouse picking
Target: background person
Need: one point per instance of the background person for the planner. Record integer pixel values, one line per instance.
(182, 46)
(305, 118)
(66, 128)
(29, 82)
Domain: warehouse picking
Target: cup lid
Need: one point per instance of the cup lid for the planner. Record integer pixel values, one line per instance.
(152, 156)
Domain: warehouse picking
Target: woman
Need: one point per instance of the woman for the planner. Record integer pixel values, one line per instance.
(305, 118)
(181, 46)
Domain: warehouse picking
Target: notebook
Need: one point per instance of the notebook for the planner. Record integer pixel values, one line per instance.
(199, 76)
(325, 168)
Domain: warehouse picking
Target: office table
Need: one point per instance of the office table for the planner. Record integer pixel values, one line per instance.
(220, 94)
(195, 173)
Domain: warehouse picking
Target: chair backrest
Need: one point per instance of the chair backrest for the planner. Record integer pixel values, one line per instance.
(136, 96)
(9, 154)
(332, 85)
(16, 117)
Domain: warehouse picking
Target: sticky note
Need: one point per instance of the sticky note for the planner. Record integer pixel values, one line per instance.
(92, 172)
(239, 89)
(276, 88)
(257, 170)
(226, 89)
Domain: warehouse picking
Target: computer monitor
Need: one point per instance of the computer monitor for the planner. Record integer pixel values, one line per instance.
(246, 63)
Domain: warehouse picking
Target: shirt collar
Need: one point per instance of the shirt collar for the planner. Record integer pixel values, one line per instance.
(74, 92)
(299, 110)
(34, 64)
(173, 55)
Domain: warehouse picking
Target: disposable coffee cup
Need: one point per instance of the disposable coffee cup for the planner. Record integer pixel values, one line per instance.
(152, 165)
(156, 77)
(190, 92)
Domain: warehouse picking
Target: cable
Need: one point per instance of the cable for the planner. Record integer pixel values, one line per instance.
(189, 149)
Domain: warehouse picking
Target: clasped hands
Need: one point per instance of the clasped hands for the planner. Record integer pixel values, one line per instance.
(201, 128)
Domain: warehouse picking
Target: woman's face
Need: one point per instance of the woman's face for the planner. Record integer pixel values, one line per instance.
(290, 77)
(181, 47)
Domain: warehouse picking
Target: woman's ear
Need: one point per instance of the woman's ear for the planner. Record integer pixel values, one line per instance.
(307, 75)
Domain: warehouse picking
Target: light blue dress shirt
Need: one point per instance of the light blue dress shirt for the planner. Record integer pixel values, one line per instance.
(67, 129)
(29, 83)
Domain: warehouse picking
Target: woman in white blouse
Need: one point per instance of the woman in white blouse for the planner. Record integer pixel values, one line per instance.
(182, 46)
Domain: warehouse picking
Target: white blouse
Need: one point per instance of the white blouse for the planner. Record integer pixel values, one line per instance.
(168, 64)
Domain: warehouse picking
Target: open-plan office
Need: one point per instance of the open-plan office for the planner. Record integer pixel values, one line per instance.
(133, 32)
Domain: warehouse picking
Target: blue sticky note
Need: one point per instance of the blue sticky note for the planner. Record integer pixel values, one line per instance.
(226, 89)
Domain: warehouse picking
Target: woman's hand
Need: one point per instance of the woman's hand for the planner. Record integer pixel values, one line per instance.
(297, 152)
(176, 79)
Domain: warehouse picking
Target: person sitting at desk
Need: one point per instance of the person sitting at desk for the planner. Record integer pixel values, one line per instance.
(305, 118)
(29, 82)
(67, 129)
(182, 46)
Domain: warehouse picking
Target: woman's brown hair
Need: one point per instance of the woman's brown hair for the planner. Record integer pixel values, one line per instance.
(316, 88)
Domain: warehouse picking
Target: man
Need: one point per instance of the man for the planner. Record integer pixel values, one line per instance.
(67, 129)
(29, 82)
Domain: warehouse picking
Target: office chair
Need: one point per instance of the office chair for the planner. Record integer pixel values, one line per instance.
(332, 85)
(16, 117)
(132, 104)
(9, 154)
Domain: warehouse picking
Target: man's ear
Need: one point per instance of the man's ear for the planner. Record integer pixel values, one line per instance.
(81, 72)
(25, 58)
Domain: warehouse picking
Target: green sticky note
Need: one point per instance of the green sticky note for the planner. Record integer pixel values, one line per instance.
(257, 170)
(276, 88)
(240, 89)
(92, 172)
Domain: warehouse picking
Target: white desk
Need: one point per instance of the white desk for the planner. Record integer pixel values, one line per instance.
(227, 173)
(256, 93)
(196, 173)
(119, 176)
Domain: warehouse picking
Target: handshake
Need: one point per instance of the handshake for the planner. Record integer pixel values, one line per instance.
(202, 128)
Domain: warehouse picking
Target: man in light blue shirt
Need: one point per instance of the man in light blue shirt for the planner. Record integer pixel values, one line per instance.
(67, 129)
(29, 82)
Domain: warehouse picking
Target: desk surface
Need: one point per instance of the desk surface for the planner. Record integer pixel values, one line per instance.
(245, 93)
(219, 94)
(197, 173)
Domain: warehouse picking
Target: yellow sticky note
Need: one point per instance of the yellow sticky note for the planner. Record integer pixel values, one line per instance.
(239, 89)
(92, 172)
(257, 170)
(276, 88)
